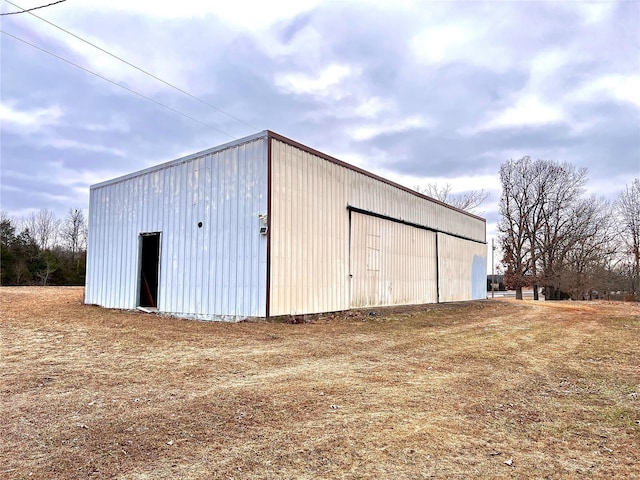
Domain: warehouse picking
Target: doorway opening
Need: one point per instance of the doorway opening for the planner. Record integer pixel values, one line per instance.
(149, 268)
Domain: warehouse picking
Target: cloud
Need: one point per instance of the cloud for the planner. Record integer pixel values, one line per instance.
(56, 173)
(372, 107)
(410, 90)
(296, 39)
(67, 144)
(241, 14)
(115, 123)
(594, 12)
(53, 185)
(526, 112)
(441, 43)
(323, 83)
(30, 120)
(390, 126)
(454, 35)
(624, 88)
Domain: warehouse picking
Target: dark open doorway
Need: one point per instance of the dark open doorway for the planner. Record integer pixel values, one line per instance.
(149, 266)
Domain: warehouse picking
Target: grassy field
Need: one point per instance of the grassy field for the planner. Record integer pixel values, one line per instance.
(491, 389)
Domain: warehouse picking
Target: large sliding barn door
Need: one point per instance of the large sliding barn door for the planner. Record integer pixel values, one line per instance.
(390, 263)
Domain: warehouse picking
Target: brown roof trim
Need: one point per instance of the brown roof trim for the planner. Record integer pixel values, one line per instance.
(331, 159)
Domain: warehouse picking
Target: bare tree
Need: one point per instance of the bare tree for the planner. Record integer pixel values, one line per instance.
(73, 232)
(628, 207)
(43, 227)
(515, 205)
(538, 176)
(467, 201)
(564, 186)
(543, 222)
(592, 248)
(47, 265)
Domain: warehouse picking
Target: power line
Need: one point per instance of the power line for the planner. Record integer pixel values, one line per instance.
(138, 68)
(118, 84)
(29, 9)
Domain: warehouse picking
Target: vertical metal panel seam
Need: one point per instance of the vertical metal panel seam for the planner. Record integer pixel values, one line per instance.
(349, 272)
(239, 225)
(269, 190)
(437, 270)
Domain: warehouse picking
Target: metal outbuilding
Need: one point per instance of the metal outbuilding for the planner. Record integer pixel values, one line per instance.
(265, 226)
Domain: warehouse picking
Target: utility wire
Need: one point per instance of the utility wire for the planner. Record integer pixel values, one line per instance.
(138, 68)
(118, 84)
(29, 9)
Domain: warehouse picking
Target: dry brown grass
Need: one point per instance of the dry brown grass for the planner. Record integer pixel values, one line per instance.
(450, 391)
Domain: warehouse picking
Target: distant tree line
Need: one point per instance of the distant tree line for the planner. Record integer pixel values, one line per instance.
(557, 239)
(41, 249)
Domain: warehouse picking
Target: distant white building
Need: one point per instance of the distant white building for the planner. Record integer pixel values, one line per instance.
(264, 226)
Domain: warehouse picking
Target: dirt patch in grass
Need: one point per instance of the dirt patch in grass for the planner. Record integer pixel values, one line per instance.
(450, 391)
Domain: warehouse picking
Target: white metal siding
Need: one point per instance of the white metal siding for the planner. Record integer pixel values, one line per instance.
(391, 263)
(309, 234)
(462, 269)
(370, 194)
(310, 226)
(217, 271)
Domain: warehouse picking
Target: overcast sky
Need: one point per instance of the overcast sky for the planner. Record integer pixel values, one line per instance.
(417, 92)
